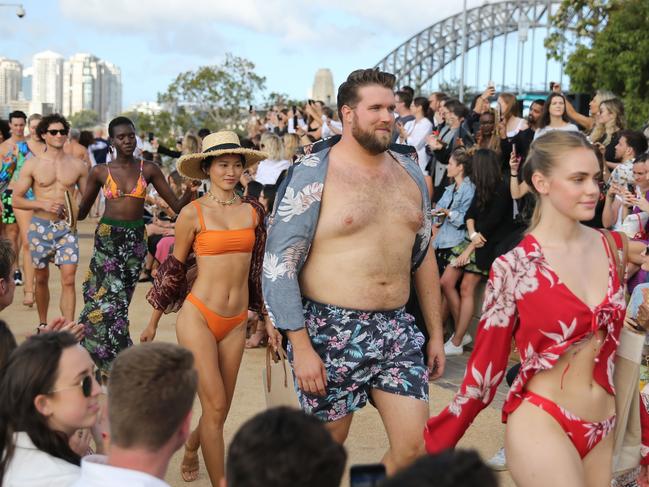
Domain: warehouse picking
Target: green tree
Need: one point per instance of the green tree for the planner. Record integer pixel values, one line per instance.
(85, 119)
(216, 96)
(614, 57)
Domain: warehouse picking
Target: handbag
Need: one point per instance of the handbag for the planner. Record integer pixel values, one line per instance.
(277, 379)
(634, 226)
(626, 378)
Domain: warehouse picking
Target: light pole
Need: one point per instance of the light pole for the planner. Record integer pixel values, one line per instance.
(463, 52)
(20, 11)
(523, 28)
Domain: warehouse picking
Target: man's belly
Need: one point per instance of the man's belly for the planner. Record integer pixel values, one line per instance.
(359, 277)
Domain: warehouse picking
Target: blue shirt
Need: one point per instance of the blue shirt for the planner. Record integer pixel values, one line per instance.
(292, 226)
(453, 231)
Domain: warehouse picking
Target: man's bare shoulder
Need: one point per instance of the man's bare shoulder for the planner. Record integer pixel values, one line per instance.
(6, 146)
(75, 162)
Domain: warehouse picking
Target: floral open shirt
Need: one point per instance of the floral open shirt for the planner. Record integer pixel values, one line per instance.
(291, 228)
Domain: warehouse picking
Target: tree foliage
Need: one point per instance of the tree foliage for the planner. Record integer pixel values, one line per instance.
(85, 119)
(612, 53)
(214, 96)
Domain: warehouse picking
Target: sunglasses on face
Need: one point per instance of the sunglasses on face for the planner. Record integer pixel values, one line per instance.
(85, 384)
(58, 132)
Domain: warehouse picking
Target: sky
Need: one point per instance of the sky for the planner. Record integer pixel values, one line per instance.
(152, 41)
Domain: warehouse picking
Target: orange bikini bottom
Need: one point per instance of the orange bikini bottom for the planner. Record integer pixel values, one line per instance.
(219, 325)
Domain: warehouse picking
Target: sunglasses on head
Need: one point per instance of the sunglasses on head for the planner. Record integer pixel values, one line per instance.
(58, 131)
(85, 384)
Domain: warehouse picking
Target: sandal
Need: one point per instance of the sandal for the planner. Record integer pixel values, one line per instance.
(29, 302)
(145, 276)
(257, 339)
(189, 465)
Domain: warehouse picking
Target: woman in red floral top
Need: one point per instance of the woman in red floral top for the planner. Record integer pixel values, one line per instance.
(564, 307)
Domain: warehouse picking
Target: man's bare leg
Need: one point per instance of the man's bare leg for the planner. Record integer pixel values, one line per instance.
(42, 293)
(404, 419)
(68, 296)
(339, 429)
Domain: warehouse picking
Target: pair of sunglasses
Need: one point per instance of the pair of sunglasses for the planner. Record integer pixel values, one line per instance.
(85, 384)
(58, 132)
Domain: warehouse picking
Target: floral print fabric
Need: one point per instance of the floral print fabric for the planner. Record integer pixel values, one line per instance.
(525, 300)
(107, 291)
(292, 226)
(362, 350)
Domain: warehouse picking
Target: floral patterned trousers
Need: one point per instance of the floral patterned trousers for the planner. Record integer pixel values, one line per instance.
(120, 248)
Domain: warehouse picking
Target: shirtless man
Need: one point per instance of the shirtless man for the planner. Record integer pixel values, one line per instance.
(354, 244)
(50, 238)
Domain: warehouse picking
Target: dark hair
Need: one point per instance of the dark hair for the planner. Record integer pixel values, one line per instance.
(7, 343)
(204, 132)
(207, 162)
(32, 369)
(451, 468)
(642, 158)
(636, 140)
(463, 157)
(405, 97)
(270, 191)
(538, 101)
(409, 89)
(17, 114)
(456, 107)
(7, 258)
(254, 189)
(297, 450)
(486, 175)
(348, 90)
(86, 138)
(116, 122)
(422, 102)
(545, 118)
(5, 130)
(47, 120)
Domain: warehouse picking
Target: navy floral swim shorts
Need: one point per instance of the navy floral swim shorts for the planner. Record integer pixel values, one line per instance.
(362, 350)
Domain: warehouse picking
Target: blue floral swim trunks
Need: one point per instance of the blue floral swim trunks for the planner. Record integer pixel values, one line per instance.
(362, 350)
(52, 241)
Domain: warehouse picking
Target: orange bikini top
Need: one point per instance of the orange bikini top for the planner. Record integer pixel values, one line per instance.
(111, 191)
(215, 242)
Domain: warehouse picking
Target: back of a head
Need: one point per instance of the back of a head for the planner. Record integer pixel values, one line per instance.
(7, 258)
(75, 134)
(254, 189)
(459, 468)
(348, 90)
(288, 448)
(291, 145)
(7, 343)
(150, 392)
(636, 140)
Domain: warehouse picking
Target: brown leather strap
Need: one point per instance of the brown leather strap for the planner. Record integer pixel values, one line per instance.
(276, 356)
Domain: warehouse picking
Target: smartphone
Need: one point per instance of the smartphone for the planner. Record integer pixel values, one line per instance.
(366, 475)
(552, 83)
(151, 136)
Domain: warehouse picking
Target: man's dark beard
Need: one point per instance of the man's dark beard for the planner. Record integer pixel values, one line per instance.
(368, 140)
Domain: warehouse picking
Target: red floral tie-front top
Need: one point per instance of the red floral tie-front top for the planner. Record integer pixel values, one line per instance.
(526, 300)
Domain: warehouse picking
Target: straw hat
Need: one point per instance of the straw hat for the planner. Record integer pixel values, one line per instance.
(216, 144)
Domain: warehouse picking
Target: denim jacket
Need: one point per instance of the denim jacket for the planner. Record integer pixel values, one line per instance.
(292, 226)
(453, 231)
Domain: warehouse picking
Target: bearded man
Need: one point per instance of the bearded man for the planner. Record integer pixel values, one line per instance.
(350, 228)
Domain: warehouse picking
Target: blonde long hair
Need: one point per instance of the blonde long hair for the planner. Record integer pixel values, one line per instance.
(617, 123)
(291, 145)
(543, 156)
(272, 145)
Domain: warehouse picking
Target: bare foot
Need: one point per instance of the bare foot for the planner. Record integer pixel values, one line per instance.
(28, 300)
(257, 339)
(189, 466)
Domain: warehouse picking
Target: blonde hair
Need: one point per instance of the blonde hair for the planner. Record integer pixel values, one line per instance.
(608, 129)
(191, 144)
(543, 156)
(272, 145)
(291, 145)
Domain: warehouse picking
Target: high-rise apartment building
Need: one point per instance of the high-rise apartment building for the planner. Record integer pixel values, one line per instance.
(11, 77)
(110, 104)
(47, 81)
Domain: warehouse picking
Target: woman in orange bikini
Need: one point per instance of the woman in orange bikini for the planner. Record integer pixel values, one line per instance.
(227, 235)
(120, 242)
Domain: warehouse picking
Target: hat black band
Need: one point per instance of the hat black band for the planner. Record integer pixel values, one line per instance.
(222, 147)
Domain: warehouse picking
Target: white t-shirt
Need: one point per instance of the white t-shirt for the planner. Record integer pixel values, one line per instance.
(96, 473)
(326, 131)
(31, 467)
(268, 170)
(417, 131)
(570, 127)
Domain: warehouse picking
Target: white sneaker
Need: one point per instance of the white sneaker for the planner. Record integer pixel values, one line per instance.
(466, 339)
(451, 350)
(498, 462)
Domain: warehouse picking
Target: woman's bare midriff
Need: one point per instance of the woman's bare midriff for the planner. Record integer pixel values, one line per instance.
(222, 282)
(571, 384)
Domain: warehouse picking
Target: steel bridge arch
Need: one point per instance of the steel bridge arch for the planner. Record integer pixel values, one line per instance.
(420, 58)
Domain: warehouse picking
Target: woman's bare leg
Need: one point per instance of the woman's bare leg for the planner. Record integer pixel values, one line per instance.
(467, 305)
(448, 281)
(217, 366)
(24, 218)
